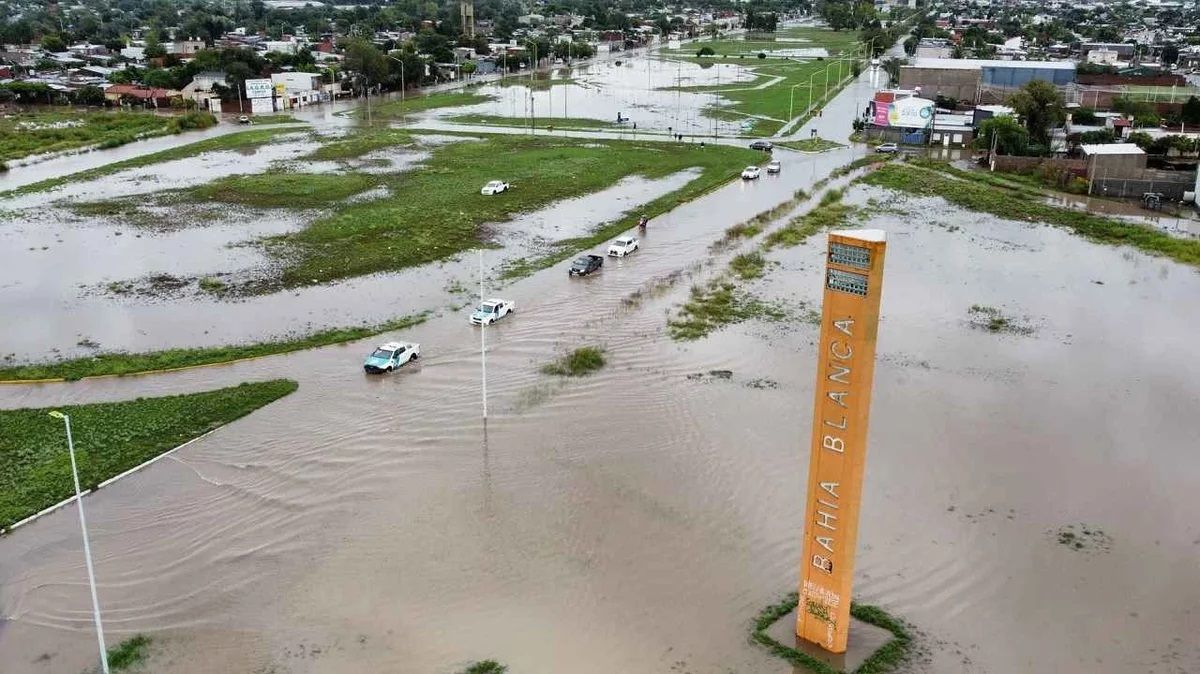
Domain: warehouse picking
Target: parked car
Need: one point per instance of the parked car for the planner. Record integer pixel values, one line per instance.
(623, 246)
(751, 173)
(244, 119)
(390, 356)
(888, 148)
(494, 187)
(774, 166)
(492, 310)
(584, 265)
(763, 145)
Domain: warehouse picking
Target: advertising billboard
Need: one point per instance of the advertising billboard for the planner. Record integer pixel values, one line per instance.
(259, 88)
(909, 113)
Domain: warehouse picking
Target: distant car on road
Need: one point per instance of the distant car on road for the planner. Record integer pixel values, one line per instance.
(494, 187)
(774, 166)
(888, 148)
(584, 265)
(623, 246)
(390, 356)
(244, 119)
(751, 173)
(492, 310)
(763, 145)
(875, 63)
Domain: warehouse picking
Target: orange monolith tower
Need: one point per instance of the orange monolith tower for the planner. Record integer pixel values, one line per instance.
(845, 368)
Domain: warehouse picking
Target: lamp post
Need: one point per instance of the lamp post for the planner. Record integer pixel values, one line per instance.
(810, 90)
(402, 115)
(87, 548)
(792, 98)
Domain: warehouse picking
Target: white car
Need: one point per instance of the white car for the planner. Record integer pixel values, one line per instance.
(774, 166)
(390, 356)
(751, 173)
(492, 310)
(623, 246)
(494, 187)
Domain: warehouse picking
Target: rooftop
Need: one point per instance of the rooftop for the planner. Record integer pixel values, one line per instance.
(1111, 148)
(976, 64)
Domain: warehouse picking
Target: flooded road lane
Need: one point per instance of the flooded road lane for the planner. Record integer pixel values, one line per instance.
(637, 519)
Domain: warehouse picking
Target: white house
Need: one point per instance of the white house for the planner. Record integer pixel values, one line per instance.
(297, 89)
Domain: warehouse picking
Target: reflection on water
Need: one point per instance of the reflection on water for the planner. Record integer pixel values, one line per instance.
(1181, 221)
(637, 519)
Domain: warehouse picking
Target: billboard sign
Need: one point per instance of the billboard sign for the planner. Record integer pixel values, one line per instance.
(259, 88)
(909, 113)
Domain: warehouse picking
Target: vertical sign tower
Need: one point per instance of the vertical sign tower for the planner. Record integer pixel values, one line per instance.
(845, 366)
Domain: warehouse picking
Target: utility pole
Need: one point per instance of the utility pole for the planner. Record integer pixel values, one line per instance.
(482, 342)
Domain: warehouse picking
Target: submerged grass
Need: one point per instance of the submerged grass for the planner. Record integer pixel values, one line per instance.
(28, 133)
(132, 651)
(828, 215)
(754, 226)
(110, 438)
(360, 142)
(171, 359)
(541, 123)
(485, 667)
(582, 361)
(1013, 205)
(886, 659)
(233, 141)
(748, 265)
(714, 306)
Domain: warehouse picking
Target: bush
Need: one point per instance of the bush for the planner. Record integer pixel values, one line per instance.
(582, 361)
(762, 55)
(705, 51)
(192, 120)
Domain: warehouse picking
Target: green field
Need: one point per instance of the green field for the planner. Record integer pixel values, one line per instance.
(359, 142)
(27, 133)
(436, 211)
(110, 438)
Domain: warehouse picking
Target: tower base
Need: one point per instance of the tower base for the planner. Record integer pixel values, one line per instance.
(865, 640)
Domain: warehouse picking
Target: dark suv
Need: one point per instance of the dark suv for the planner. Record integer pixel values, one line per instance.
(585, 265)
(763, 145)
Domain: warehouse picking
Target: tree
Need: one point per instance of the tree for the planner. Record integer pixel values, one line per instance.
(89, 95)
(154, 48)
(54, 43)
(1084, 116)
(1041, 107)
(705, 51)
(364, 59)
(1005, 133)
(1170, 54)
(1099, 137)
(1141, 139)
(1191, 111)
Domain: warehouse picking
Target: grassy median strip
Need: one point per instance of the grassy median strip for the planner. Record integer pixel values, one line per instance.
(1015, 205)
(110, 438)
(809, 144)
(360, 142)
(172, 359)
(411, 104)
(567, 123)
(232, 141)
(280, 189)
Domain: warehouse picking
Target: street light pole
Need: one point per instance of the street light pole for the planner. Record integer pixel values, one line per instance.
(402, 115)
(791, 99)
(87, 548)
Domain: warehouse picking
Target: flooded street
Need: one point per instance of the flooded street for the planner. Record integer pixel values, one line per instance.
(636, 520)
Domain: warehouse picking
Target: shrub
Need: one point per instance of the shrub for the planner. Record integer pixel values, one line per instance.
(582, 361)
(762, 55)
(705, 51)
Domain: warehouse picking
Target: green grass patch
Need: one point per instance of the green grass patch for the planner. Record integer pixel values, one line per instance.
(567, 123)
(360, 142)
(275, 119)
(28, 133)
(748, 265)
(1014, 205)
(485, 667)
(714, 306)
(418, 103)
(754, 226)
(110, 438)
(809, 144)
(133, 651)
(580, 362)
(541, 82)
(134, 363)
(233, 141)
(282, 189)
(437, 211)
(826, 216)
(886, 659)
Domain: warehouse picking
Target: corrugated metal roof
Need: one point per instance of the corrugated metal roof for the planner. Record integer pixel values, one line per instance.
(976, 64)
(1112, 148)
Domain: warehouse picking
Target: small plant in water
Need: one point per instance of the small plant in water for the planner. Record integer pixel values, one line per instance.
(582, 361)
(128, 653)
(486, 667)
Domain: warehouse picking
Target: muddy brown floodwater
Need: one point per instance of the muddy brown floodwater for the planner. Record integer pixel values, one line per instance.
(637, 519)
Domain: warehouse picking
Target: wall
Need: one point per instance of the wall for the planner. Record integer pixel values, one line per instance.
(1172, 184)
(1006, 76)
(1115, 165)
(1030, 164)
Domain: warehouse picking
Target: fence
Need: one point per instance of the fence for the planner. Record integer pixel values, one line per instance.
(1170, 185)
(1076, 167)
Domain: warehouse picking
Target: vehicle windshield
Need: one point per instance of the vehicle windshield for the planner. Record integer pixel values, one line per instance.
(381, 353)
(581, 262)
(494, 183)
(486, 308)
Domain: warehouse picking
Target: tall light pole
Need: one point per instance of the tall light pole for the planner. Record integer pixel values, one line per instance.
(792, 98)
(810, 90)
(402, 115)
(87, 548)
